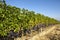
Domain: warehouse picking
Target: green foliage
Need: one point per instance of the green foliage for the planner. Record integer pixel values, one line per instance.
(13, 18)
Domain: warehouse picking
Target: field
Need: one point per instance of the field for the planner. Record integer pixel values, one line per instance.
(22, 24)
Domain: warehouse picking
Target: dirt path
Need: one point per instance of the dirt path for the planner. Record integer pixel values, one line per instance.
(48, 30)
(41, 35)
(45, 32)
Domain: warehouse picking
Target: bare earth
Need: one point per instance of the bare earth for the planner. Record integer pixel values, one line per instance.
(49, 33)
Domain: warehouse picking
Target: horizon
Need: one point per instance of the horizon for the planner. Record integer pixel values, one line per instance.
(49, 8)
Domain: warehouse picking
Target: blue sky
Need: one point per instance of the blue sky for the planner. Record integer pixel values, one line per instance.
(49, 8)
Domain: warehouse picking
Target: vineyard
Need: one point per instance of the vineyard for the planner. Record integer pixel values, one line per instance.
(16, 21)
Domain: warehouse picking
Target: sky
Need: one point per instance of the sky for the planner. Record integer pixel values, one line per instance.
(49, 8)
